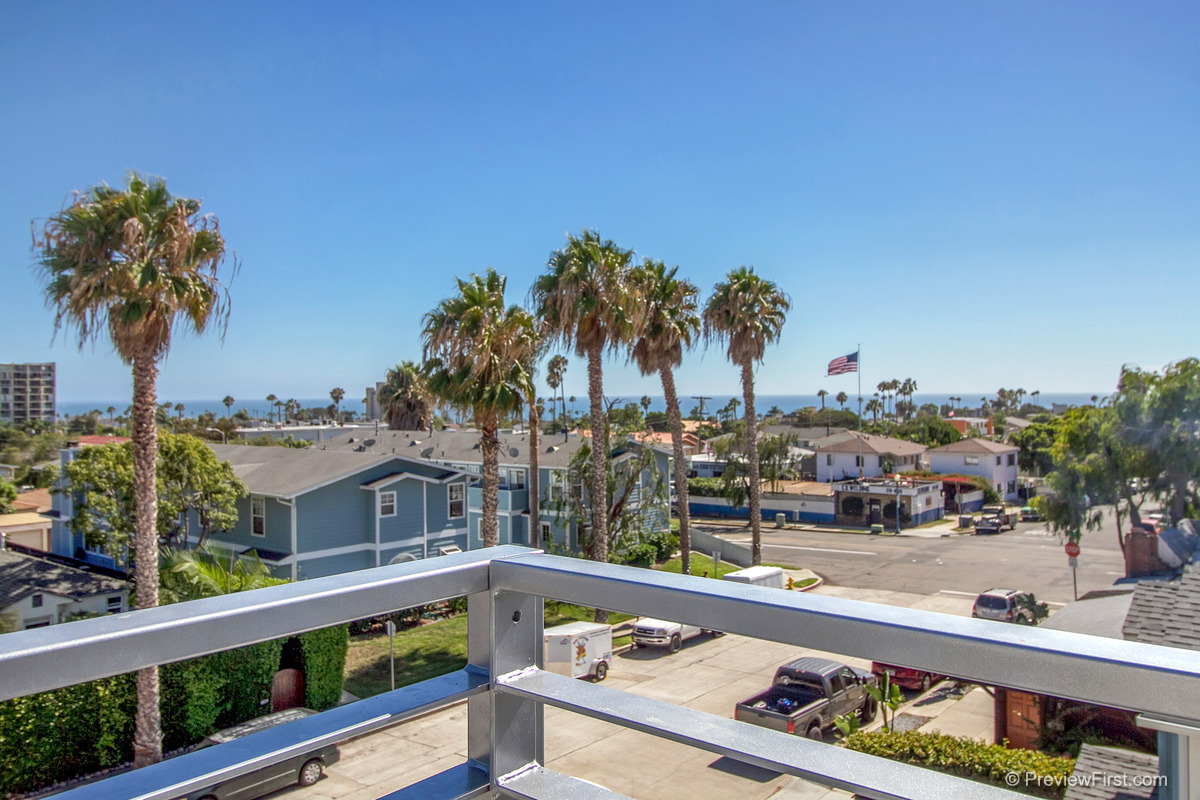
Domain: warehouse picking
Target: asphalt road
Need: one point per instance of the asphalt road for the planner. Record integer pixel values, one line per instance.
(924, 562)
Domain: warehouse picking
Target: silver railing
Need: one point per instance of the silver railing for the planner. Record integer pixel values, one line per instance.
(506, 691)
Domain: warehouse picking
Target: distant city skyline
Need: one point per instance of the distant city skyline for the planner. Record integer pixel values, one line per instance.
(982, 195)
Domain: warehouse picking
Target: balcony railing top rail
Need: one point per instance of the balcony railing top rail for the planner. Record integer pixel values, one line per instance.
(506, 691)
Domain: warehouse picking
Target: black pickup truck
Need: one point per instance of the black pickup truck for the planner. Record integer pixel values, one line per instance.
(807, 694)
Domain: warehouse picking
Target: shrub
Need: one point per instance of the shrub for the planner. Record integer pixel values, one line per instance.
(969, 758)
(324, 665)
(852, 506)
(704, 487)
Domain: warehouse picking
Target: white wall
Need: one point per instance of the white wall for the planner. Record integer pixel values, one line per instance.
(1000, 476)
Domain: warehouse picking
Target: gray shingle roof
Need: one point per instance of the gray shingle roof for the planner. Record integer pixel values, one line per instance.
(22, 575)
(1166, 613)
(460, 447)
(975, 446)
(1122, 767)
(287, 472)
(1100, 616)
(876, 445)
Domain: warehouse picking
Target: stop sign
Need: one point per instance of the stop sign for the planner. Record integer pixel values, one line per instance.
(1072, 549)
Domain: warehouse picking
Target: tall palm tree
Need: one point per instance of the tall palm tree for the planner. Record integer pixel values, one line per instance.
(748, 313)
(271, 402)
(139, 264)
(405, 398)
(477, 351)
(336, 396)
(583, 303)
(874, 406)
(670, 325)
(842, 397)
(556, 368)
(179, 409)
(228, 403)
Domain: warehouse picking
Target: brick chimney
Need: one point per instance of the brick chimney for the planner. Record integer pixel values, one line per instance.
(1141, 554)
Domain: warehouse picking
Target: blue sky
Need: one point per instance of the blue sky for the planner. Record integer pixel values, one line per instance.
(983, 195)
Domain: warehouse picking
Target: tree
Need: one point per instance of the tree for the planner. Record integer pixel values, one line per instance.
(670, 325)
(874, 406)
(137, 263)
(272, 401)
(841, 398)
(205, 572)
(747, 312)
(405, 398)
(336, 396)
(228, 403)
(477, 351)
(928, 430)
(556, 368)
(8, 496)
(583, 303)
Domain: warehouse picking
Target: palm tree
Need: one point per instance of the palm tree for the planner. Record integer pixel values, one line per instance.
(555, 369)
(1036, 397)
(582, 301)
(137, 263)
(270, 402)
(336, 396)
(645, 403)
(476, 351)
(111, 410)
(874, 406)
(670, 325)
(842, 397)
(748, 312)
(823, 393)
(205, 572)
(405, 398)
(228, 403)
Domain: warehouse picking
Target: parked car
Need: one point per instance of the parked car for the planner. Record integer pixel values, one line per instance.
(304, 769)
(996, 517)
(1009, 605)
(807, 694)
(1030, 514)
(906, 677)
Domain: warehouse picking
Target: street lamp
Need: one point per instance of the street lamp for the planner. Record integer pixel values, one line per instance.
(224, 439)
(897, 507)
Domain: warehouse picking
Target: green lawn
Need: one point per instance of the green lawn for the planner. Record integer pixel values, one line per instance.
(701, 565)
(433, 649)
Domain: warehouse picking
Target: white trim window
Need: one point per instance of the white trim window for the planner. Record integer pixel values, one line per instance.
(387, 504)
(516, 479)
(970, 461)
(546, 532)
(115, 604)
(258, 516)
(456, 503)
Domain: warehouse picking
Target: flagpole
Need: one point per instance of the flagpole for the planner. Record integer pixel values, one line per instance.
(858, 363)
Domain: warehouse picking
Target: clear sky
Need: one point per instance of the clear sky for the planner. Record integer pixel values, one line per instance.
(982, 194)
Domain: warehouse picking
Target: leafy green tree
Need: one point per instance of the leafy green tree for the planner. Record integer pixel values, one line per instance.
(191, 482)
(583, 302)
(136, 264)
(477, 351)
(747, 313)
(670, 325)
(931, 431)
(1036, 441)
(8, 496)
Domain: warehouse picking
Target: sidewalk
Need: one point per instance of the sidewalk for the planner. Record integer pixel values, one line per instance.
(947, 527)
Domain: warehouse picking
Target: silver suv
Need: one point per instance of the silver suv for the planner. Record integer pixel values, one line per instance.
(1006, 605)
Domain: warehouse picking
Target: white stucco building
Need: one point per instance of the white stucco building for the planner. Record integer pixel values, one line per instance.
(991, 460)
(840, 457)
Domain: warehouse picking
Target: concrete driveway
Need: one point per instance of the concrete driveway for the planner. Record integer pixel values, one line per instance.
(708, 674)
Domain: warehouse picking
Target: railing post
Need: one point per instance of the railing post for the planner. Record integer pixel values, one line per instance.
(504, 733)
(1178, 757)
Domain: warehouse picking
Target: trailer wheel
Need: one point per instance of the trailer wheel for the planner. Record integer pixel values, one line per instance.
(601, 671)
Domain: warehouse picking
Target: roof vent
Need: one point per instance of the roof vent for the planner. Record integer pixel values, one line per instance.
(514, 452)
(427, 452)
(369, 443)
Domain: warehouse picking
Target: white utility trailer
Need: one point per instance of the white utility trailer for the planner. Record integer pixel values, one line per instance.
(578, 650)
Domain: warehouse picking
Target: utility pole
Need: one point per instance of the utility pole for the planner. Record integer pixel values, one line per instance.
(701, 399)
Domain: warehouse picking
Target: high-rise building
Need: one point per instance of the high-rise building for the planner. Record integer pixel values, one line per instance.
(371, 400)
(27, 393)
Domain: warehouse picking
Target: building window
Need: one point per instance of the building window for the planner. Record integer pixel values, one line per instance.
(387, 504)
(998, 461)
(456, 493)
(970, 461)
(829, 459)
(1012, 487)
(546, 535)
(858, 461)
(36, 601)
(258, 516)
(516, 479)
(1012, 459)
(115, 604)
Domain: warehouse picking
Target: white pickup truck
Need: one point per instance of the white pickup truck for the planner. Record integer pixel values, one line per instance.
(649, 632)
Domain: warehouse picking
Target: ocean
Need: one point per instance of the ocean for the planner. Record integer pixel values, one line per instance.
(764, 402)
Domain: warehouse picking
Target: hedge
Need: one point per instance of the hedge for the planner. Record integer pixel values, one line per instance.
(1040, 774)
(77, 730)
(704, 487)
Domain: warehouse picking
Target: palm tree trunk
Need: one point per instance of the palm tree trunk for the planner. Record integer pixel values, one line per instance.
(681, 486)
(755, 488)
(598, 502)
(534, 484)
(147, 736)
(489, 524)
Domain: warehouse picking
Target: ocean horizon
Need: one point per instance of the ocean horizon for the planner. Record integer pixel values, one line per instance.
(712, 404)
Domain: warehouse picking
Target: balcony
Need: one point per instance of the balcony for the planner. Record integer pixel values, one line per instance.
(506, 692)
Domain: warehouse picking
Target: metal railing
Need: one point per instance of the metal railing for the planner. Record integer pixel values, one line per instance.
(506, 691)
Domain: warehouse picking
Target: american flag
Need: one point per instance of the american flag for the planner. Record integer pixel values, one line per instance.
(843, 364)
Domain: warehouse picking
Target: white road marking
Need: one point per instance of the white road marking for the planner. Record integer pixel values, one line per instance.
(964, 594)
(813, 549)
